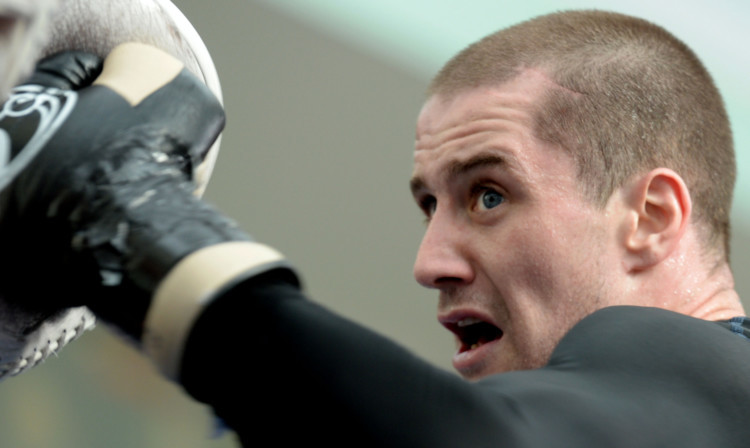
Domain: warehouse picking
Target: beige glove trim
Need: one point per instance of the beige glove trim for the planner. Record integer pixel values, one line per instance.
(136, 70)
(188, 288)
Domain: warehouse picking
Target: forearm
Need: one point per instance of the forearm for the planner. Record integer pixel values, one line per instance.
(315, 376)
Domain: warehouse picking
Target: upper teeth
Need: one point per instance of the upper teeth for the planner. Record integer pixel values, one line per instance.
(468, 321)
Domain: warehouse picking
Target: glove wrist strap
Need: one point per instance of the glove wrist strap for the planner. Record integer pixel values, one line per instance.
(190, 286)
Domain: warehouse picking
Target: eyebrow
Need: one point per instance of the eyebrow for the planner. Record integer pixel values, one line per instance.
(460, 168)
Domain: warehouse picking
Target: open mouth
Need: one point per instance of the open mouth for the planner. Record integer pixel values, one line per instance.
(472, 333)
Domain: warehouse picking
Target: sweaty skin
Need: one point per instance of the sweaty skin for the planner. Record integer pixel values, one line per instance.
(510, 240)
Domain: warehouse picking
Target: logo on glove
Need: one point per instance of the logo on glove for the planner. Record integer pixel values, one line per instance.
(28, 119)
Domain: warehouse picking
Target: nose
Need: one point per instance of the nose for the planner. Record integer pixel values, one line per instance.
(442, 259)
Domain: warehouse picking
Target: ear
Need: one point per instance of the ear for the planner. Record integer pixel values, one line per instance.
(659, 209)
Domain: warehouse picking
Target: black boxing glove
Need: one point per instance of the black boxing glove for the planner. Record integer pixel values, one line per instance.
(30, 329)
(105, 210)
(72, 70)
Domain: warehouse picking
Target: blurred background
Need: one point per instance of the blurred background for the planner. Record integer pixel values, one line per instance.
(322, 97)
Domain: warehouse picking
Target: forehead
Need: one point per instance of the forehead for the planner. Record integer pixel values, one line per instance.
(521, 92)
(484, 123)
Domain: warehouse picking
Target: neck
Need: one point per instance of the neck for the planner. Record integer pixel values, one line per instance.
(697, 286)
(714, 298)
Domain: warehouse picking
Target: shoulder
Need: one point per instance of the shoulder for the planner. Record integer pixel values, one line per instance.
(652, 342)
(630, 376)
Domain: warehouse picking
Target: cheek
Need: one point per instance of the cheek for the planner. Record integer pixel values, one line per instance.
(534, 254)
(550, 265)
(548, 291)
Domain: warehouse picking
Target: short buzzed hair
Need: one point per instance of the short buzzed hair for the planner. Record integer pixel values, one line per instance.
(632, 98)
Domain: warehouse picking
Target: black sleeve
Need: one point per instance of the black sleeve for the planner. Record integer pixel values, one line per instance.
(316, 377)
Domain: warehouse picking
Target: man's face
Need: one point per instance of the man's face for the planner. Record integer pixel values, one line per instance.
(517, 253)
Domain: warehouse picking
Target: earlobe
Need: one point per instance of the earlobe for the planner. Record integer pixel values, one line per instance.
(660, 209)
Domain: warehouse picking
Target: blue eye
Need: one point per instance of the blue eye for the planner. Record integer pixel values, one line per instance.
(491, 199)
